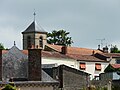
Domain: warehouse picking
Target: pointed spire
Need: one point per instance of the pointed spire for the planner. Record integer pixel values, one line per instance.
(14, 43)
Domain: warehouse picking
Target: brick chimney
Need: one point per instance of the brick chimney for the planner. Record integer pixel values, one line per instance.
(0, 64)
(34, 65)
(64, 50)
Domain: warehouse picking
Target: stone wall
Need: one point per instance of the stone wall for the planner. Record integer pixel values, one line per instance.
(70, 79)
(34, 65)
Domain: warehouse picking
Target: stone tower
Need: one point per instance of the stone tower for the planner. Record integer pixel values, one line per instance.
(34, 36)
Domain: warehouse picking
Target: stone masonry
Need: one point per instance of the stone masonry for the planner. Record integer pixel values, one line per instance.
(34, 64)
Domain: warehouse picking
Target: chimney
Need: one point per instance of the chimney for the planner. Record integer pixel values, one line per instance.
(0, 64)
(64, 50)
(34, 65)
(93, 52)
(105, 49)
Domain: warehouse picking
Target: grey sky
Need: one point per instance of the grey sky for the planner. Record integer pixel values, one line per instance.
(86, 20)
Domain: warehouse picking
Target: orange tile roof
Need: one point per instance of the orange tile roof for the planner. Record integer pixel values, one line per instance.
(74, 50)
(85, 58)
(114, 55)
(72, 53)
(49, 54)
(54, 55)
(115, 65)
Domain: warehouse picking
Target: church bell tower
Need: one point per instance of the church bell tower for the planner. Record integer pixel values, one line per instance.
(34, 36)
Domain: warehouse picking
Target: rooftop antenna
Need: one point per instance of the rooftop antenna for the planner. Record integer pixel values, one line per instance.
(34, 14)
(101, 42)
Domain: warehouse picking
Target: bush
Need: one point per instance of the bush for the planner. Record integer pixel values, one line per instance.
(9, 87)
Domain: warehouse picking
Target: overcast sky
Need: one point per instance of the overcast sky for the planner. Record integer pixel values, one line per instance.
(88, 21)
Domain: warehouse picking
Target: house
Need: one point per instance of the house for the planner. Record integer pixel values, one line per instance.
(25, 70)
(90, 64)
(55, 58)
(85, 59)
(112, 58)
(111, 75)
(112, 72)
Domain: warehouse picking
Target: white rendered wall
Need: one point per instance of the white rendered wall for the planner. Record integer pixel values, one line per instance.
(90, 68)
(57, 61)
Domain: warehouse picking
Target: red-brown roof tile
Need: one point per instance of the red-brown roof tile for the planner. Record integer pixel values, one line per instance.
(85, 58)
(108, 55)
(74, 50)
(49, 54)
(54, 55)
(115, 65)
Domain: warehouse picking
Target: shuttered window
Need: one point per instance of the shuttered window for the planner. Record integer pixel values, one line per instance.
(82, 66)
(98, 66)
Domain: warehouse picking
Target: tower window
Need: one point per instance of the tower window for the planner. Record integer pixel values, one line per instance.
(28, 42)
(41, 41)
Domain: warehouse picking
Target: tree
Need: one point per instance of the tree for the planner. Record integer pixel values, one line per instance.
(59, 37)
(2, 46)
(114, 49)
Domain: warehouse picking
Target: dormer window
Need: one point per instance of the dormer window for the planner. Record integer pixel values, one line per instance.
(41, 41)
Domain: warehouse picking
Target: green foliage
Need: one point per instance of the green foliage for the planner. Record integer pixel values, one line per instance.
(114, 49)
(1, 46)
(116, 88)
(59, 37)
(9, 87)
(111, 69)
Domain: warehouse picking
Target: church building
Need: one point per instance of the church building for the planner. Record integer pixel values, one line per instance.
(34, 36)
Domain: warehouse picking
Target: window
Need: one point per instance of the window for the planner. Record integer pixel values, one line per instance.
(117, 61)
(41, 41)
(82, 66)
(28, 42)
(98, 67)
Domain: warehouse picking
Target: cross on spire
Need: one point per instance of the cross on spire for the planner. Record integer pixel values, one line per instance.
(34, 15)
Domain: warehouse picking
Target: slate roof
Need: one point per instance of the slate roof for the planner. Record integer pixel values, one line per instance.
(14, 52)
(46, 77)
(74, 50)
(15, 64)
(33, 27)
